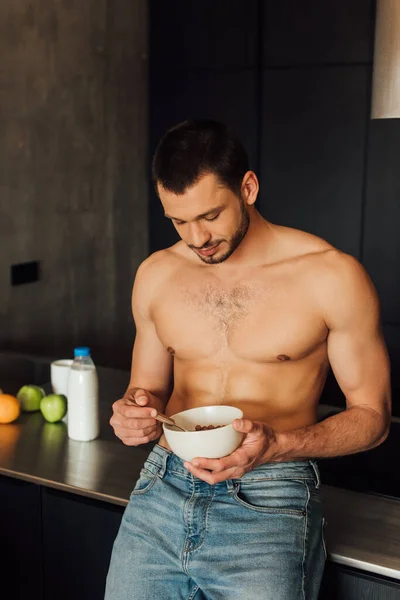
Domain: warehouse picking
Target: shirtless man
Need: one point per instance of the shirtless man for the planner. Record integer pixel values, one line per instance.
(251, 314)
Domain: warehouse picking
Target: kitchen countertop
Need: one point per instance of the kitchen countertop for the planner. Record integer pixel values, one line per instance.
(363, 530)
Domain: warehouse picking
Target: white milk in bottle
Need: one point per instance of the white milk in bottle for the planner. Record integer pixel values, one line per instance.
(83, 397)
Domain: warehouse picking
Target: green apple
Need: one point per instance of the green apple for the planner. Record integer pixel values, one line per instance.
(30, 397)
(53, 407)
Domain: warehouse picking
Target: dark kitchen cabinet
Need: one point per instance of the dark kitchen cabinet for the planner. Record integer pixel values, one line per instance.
(312, 151)
(54, 544)
(20, 535)
(78, 534)
(381, 244)
(315, 32)
(210, 36)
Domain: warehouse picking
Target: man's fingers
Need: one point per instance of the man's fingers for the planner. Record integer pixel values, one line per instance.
(132, 437)
(124, 432)
(215, 464)
(134, 441)
(211, 477)
(133, 420)
(141, 397)
(138, 423)
(243, 425)
(137, 395)
(130, 411)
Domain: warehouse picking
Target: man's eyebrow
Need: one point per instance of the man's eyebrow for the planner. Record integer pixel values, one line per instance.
(209, 212)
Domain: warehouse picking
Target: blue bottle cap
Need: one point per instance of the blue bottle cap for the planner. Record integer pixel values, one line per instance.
(82, 351)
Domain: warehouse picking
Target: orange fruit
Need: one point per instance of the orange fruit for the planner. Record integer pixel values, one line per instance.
(10, 408)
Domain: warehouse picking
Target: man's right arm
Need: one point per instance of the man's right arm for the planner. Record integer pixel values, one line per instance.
(152, 368)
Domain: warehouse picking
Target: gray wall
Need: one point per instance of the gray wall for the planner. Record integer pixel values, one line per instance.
(73, 175)
(294, 80)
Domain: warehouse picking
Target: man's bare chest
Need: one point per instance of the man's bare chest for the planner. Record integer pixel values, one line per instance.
(260, 320)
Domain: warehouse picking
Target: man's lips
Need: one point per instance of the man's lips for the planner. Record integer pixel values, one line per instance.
(208, 251)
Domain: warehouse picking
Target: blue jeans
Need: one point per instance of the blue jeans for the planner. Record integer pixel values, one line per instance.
(259, 537)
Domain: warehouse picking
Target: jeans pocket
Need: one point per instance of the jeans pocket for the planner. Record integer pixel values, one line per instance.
(274, 496)
(145, 482)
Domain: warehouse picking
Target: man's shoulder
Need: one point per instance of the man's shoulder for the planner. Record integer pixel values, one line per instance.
(150, 279)
(297, 243)
(339, 268)
(317, 253)
(337, 281)
(159, 264)
(323, 265)
(341, 284)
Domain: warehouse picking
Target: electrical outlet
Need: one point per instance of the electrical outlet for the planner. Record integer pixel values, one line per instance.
(28, 272)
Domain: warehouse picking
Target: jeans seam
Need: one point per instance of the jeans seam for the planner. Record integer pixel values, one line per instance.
(155, 464)
(323, 539)
(270, 511)
(204, 523)
(185, 553)
(163, 450)
(286, 477)
(147, 488)
(305, 543)
(179, 474)
(193, 593)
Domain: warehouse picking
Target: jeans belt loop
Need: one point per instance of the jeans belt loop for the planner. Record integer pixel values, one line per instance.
(315, 468)
(230, 485)
(164, 466)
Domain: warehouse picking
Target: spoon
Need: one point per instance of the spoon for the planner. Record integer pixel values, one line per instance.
(162, 418)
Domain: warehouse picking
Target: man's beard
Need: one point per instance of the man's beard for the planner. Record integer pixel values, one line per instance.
(234, 242)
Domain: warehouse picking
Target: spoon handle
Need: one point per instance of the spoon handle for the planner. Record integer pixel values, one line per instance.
(161, 417)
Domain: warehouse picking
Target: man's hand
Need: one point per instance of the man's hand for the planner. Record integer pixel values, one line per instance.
(134, 425)
(258, 446)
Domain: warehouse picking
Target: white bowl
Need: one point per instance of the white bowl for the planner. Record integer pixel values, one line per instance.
(211, 443)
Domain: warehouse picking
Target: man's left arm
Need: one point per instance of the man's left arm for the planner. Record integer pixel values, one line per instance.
(359, 360)
(360, 363)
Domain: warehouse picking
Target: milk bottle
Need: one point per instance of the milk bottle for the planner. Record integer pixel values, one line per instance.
(83, 397)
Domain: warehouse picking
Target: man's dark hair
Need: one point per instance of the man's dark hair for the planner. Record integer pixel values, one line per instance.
(196, 148)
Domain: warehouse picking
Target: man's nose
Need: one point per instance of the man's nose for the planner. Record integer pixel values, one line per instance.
(198, 235)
